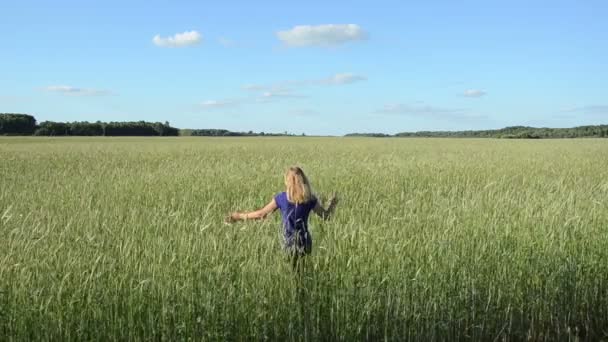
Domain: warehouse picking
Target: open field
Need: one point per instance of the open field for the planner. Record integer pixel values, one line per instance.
(434, 239)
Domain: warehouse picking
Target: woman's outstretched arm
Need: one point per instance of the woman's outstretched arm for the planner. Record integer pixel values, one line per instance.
(253, 215)
(326, 213)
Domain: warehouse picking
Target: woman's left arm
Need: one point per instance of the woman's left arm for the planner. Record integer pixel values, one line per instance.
(253, 215)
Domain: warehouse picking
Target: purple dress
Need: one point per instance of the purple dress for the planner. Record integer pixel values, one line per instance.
(297, 238)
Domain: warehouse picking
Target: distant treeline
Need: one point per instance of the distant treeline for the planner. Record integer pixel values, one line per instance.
(514, 132)
(23, 124)
(17, 124)
(227, 133)
(373, 135)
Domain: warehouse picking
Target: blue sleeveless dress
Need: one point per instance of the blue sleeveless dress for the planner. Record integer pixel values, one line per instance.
(297, 238)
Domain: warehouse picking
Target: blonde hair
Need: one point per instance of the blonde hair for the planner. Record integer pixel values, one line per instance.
(298, 186)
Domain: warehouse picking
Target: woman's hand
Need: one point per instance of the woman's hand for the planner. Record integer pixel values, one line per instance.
(252, 215)
(333, 199)
(234, 217)
(331, 207)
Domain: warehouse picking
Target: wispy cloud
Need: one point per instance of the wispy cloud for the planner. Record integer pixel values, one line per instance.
(184, 39)
(256, 87)
(265, 97)
(303, 112)
(265, 93)
(272, 96)
(588, 110)
(262, 88)
(428, 111)
(214, 104)
(283, 86)
(474, 93)
(344, 78)
(226, 42)
(75, 91)
(279, 95)
(328, 35)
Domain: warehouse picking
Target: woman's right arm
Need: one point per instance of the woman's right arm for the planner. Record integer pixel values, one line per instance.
(253, 215)
(326, 213)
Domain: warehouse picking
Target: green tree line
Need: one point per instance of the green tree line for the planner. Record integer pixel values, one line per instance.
(513, 132)
(17, 124)
(23, 124)
(226, 133)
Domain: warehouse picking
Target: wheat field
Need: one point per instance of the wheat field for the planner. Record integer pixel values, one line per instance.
(433, 239)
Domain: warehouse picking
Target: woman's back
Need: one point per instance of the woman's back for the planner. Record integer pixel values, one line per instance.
(294, 216)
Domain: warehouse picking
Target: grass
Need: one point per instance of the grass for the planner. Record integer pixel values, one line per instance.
(434, 239)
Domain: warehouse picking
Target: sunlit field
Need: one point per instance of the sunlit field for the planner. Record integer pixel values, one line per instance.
(433, 239)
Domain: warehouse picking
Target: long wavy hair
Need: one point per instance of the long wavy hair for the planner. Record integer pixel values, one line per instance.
(298, 187)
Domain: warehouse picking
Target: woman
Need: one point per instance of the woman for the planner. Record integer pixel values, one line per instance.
(295, 203)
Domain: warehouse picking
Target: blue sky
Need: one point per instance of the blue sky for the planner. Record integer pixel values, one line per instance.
(308, 66)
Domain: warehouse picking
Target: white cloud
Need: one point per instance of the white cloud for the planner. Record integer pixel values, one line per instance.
(286, 86)
(303, 112)
(226, 42)
(344, 78)
(280, 94)
(474, 93)
(399, 108)
(211, 104)
(283, 90)
(265, 97)
(428, 111)
(276, 95)
(255, 87)
(321, 35)
(75, 91)
(589, 110)
(187, 38)
(281, 87)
